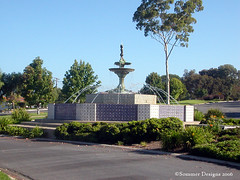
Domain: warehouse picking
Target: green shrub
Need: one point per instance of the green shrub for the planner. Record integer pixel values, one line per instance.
(20, 131)
(108, 134)
(198, 115)
(149, 130)
(232, 131)
(196, 135)
(128, 133)
(20, 115)
(61, 131)
(186, 139)
(231, 121)
(173, 140)
(229, 134)
(36, 132)
(214, 113)
(5, 121)
(226, 150)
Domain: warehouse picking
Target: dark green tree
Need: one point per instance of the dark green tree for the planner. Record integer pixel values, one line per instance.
(154, 80)
(80, 76)
(37, 84)
(1, 82)
(177, 88)
(167, 22)
(12, 83)
(12, 87)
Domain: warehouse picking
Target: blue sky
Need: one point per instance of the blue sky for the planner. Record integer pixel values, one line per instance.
(60, 31)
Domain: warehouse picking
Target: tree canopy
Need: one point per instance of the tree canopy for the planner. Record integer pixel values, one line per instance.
(37, 83)
(79, 76)
(1, 83)
(222, 82)
(167, 22)
(153, 79)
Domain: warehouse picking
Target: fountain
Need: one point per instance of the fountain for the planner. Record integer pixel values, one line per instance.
(120, 95)
(119, 104)
(121, 72)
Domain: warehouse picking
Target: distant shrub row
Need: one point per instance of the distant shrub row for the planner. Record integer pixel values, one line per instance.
(18, 116)
(18, 131)
(214, 116)
(121, 133)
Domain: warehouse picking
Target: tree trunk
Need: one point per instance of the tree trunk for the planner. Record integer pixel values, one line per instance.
(167, 75)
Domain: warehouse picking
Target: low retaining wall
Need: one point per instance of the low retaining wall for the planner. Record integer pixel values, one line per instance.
(118, 112)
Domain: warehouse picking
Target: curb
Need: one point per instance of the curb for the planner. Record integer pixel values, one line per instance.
(177, 155)
(14, 175)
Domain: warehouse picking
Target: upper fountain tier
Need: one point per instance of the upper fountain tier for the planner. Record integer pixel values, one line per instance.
(121, 72)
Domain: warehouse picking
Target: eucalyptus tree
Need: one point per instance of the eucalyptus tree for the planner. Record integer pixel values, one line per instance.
(169, 22)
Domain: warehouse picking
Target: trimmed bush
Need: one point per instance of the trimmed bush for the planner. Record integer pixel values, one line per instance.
(226, 150)
(198, 115)
(108, 133)
(196, 135)
(20, 131)
(186, 139)
(214, 113)
(128, 133)
(20, 115)
(173, 140)
(231, 121)
(5, 121)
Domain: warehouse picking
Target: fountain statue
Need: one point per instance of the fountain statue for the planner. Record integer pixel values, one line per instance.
(121, 72)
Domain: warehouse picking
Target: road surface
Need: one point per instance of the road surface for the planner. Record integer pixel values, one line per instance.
(230, 109)
(41, 160)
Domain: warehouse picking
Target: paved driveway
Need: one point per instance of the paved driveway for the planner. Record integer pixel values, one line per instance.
(56, 161)
(230, 109)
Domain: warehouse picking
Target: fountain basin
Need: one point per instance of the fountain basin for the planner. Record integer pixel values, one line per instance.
(121, 98)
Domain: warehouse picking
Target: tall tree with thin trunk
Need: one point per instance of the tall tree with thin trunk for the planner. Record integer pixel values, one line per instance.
(169, 22)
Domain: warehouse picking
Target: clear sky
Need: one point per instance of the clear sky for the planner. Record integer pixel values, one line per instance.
(60, 31)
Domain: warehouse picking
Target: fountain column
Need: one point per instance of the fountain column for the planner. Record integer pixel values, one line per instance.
(121, 72)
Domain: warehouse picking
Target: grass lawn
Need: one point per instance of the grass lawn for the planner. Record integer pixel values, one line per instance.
(42, 115)
(4, 176)
(192, 102)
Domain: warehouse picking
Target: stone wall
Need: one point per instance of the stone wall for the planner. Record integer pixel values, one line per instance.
(65, 111)
(118, 112)
(121, 98)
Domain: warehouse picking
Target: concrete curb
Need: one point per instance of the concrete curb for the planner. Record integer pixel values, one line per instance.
(146, 151)
(13, 175)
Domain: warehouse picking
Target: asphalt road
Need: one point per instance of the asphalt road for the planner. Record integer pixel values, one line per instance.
(230, 109)
(40, 160)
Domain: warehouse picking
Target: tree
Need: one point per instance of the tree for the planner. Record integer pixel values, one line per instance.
(168, 23)
(80, 76)
(12, 83)
(1, 83)
(177, 88)
(37, 84)
(154, 80)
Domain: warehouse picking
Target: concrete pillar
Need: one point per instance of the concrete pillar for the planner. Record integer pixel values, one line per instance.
(51, 111)
(188, 113)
